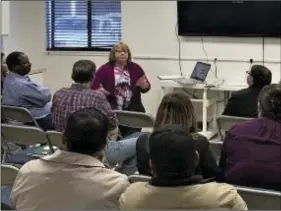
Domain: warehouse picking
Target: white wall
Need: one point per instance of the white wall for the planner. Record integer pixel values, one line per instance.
(5, 17)
(149, 30)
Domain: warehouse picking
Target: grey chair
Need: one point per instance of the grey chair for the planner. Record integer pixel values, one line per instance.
(138, 178)
(225, 123)
(259, 199)
(30, 137)
(8, 177)
(17, 115)
(216, 147)
(134, 119)
(55, 138)
(8, 174)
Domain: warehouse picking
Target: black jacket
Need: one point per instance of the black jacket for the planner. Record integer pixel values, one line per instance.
(243, 103)
(207, 166)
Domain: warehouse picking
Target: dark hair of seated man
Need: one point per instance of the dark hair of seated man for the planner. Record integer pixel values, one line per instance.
(19, 63)
(259, 76)
(83, 71)
(86, 132)
(173, 156)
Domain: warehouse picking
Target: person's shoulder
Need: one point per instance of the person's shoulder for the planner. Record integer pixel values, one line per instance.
(241, 93)
(248, 125)
(199, 137)
(135, 189)
(105, 66)
(30, 167)
(221, 193)
(112, 178)
(135, 65)
(96, 94)
(60, 92)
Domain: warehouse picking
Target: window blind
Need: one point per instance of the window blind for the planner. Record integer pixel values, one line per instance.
(83, 25)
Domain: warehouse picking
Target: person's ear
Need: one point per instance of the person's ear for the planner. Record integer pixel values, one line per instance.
(197, 158)
(259, 110)
(152, 170)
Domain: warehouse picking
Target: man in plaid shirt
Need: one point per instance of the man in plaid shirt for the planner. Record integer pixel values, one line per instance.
(80, 95)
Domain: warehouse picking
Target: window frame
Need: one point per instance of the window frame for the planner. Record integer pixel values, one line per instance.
(89, 30)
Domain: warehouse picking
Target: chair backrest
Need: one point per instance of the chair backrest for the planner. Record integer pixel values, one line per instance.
(8, 174)
(55, 138)
(138, 178)
(259, 199)
(134, 119)
(13, 114)
(216, 147)
(225, 123)
(24, 135)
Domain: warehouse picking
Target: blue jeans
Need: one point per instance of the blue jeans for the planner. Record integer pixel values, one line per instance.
(124, 153)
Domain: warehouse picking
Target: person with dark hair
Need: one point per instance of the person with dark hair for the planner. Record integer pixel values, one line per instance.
(20, 91)
(79, 96)
(174, 184)
(251, 151)
(4, 70)
(122, 81)
(177, 108)
(74, 179)
(244, 102)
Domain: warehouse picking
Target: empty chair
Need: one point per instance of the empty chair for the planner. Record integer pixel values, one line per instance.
(55, 138)
(17, 115)
(134, 119)
(8, 177)
(225, 123)
(259, 199)
(138, 178)
(27, 136)
(8, 174)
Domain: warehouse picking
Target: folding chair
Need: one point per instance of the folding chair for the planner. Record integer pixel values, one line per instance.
(134, 119)
(259, 199)
(27, 136)
(8, 177)
(216, 147)
(138, 178)
(8, 174)
(225, 123)
(17, 115)
(55, 138)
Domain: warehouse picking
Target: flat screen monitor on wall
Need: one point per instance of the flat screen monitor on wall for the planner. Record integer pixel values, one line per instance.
(229, 18)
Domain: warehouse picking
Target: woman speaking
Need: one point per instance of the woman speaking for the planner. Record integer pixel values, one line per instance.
(122, 81)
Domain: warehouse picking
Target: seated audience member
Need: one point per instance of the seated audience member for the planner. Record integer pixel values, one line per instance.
(176, 108)
(123, 82)
(174, 184)
(251, 151)
(244, 102)
(20, 91)
(74, 179)
(4, 70)
(79, 96)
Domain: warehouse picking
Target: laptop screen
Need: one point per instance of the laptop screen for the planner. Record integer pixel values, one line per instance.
(200, 71)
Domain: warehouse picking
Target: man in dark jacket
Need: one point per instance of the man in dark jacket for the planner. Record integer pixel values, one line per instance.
(244, 102)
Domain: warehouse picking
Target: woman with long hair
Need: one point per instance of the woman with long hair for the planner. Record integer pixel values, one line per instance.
(176, 108)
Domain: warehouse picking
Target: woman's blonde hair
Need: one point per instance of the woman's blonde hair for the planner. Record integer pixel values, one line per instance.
(176, 108)
(124, 47)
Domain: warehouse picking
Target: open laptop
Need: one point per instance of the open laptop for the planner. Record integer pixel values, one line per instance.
(198, 76)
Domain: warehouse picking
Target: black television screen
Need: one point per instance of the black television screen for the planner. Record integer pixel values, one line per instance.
(229, 18)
